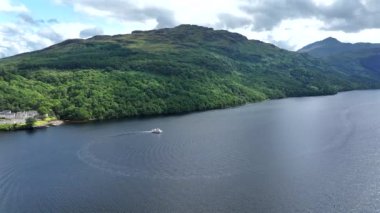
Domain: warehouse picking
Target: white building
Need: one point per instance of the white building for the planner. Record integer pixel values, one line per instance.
(7, 117)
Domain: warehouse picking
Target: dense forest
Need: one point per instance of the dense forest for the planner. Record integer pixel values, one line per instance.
(166, 71)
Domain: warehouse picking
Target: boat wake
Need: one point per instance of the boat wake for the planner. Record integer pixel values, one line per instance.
(131, 133)
(156, 160)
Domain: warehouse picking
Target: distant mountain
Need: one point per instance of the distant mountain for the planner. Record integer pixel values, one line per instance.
(361, 59)
(166, 71)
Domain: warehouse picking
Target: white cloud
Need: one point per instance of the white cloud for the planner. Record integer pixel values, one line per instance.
(89, 32)
(295, 34)
(6, 6)
(24, 36)
(323, 2)
(124, 11)
(202, 12)
(91, 11)
(70, 29)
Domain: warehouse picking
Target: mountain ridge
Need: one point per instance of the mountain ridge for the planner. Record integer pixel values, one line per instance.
(330, 46)
(167, 71)
(360, 59)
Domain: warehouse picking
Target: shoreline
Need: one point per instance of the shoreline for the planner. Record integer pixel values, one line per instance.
(57, 122)
(207, 110)
(41, 124)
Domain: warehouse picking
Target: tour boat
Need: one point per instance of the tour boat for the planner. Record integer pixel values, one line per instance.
(156, 131)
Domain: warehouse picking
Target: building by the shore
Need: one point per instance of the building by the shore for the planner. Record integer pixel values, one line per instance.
(9, 117)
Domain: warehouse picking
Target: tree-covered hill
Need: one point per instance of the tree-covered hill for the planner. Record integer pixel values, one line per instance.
(360, 59)
(181, 69)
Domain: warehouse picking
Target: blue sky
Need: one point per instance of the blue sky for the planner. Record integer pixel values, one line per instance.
(43, 9)
(27, 25)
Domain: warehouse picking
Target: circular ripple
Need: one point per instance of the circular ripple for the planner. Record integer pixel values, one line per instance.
(138, 154)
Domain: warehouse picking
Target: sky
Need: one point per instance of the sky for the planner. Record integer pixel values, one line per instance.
(27, 25)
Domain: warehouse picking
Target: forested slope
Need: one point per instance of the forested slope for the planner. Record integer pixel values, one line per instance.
(181, 69)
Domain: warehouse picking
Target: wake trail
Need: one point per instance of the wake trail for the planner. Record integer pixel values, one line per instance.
(131, 133)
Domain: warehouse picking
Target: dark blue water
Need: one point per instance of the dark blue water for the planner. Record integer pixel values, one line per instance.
(317, 154)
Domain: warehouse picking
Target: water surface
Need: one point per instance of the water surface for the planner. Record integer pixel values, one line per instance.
(316, 154)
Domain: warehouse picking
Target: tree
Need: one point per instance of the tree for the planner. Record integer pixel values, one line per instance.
(29, 122)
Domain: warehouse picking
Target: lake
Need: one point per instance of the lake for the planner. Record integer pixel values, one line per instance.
(313, 154)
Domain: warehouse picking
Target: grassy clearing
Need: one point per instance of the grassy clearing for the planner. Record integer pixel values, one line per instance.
(18, 126)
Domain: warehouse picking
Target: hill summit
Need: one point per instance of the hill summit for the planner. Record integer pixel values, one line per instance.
(360, 59)
(331, 46)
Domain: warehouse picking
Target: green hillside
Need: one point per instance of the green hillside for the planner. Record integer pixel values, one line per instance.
(360, 59)
(166, 71)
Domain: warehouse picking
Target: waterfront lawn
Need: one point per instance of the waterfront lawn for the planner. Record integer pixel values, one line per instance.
(44, 122)
(38, 123)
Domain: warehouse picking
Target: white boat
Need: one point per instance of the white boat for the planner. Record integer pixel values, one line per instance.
(156, 131)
